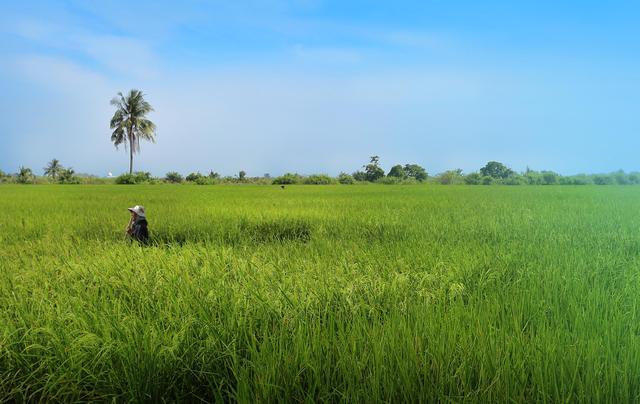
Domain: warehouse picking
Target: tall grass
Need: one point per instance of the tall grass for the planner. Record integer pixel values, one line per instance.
(362, 294)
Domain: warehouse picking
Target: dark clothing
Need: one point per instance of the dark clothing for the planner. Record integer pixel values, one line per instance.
(139, 230)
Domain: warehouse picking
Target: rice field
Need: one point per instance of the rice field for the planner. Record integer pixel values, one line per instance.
(321, 294)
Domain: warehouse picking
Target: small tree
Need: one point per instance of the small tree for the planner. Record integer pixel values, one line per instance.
(473, 179)
(496, 170)
(173, 177)
(193, 177)
(360, 176)
(397, 171)
(242, 175)
(25, 176)
(345, 178)
(67, 176)
(373, 170)
(415, 171)
(450, 177)
(53, 169)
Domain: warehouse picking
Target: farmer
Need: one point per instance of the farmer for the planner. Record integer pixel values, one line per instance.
(137, 227)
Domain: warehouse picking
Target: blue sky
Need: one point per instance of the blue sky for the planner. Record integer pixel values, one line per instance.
(269, 86)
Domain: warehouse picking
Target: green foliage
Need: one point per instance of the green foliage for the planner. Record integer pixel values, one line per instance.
(450, 177)
(360, 176)
(287, 179)
(473, 179)
(345, 179)
(67, 176)
(126, 179)
(318, 179)
(373, 171)
(130, 124)
(397, 171)
(496, 170)
(416, 172)
(242, 175)
(25, 176)
(193, 177)
(213, 175)
(602, 179)
(53, 169)
(139, 177)
(173, 177)
(486, 180)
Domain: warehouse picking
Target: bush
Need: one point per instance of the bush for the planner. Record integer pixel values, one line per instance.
(345, 179)
(416, 172)
(25, 176)
(601, 179)
(173, 177)
(142, 176)
(67, 176)
(450, 177)
(549, 178)
(193, 177)
(513, 180)
(360, 176)
(486, 180)
(397, 171)
(287, 179)
(126, 179)
(473, 179)
(318, 179)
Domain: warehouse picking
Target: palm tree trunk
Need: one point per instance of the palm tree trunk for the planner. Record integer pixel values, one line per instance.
(130, 155)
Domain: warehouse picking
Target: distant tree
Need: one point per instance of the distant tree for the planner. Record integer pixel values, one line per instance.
(397, 171)
(267, 175)
(67, 176)
(473, 179)
(345, 179)
(496, 170)
(602, 179)
(416, 172)
(373, 170)
(25, 176)
(130, 124)
(213, 175)
(287, 179)
(549, 178)
(242, 175)
(318, 179)
(53, 169)
(450, 177)
(173, 177)
(360, 176)
(193, 177)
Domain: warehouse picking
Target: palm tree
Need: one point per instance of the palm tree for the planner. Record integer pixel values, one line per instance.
(53, 168)
(130, 124)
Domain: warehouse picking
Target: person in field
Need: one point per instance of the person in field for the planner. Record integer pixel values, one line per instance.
(137, 227)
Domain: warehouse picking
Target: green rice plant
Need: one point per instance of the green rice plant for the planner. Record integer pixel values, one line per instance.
(359, 294)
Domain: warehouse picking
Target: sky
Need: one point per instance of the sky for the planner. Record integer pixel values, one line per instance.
(312, 86)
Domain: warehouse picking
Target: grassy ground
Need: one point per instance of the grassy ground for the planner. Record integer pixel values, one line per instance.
(321, 293)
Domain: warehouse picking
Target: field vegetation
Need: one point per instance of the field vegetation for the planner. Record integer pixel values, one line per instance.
(334, 293)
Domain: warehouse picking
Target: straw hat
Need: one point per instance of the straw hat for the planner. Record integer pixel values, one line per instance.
(138, 210)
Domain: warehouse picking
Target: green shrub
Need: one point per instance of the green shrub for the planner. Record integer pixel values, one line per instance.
(473, 179)
(67, 176)
(287, 179)
(345, 179)
(25, 176)
(126, 179)
(193, 177)
(318, 179)
(486, 180)
(173, 177)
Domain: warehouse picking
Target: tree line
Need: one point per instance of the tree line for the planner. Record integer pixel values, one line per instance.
(492, 173)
